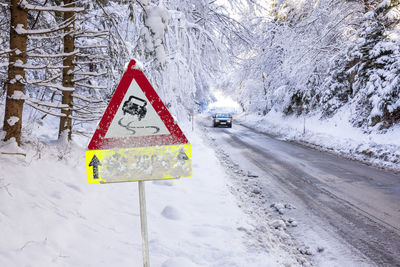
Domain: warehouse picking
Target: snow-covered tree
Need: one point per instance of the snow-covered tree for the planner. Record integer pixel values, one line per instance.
(73, 44)
(318, 56)
(184, 47)
(16, 72)
(291, 42)
(367, 75)
(4, 45)
(57, 70)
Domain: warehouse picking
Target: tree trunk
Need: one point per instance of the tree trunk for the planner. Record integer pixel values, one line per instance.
(68, 75)
(16, 74)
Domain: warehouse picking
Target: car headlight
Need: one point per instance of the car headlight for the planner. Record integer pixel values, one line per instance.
(216, 120)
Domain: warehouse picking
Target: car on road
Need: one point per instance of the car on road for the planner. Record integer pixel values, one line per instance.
(222, 119)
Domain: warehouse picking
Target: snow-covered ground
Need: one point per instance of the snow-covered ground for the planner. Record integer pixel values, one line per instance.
(337, 135)
(51, 216)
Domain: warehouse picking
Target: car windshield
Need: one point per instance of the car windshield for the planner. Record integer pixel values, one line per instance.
(223, 115)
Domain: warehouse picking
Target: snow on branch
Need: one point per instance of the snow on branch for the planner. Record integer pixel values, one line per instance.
(45, 81)
(54, 55)
(89, 118)
(91, 34)
(113, 22)
(81, 79)
(87, 75)
(90, 46)
(156, 24)
(60, 35)
(83, 98)
(45, 110)
(90, 56)
(24, 4)
(88, 62)
(90, 86)
(57, 86)
(46, 104)
(20, 28)
(18, 95)
(3, 52)
(52, 86)
(19, 64)
(90, 73)
(81, 109)
(86, 111)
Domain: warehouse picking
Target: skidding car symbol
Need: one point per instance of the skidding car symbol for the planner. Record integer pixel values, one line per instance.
(135, 106)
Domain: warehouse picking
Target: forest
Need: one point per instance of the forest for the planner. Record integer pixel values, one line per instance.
(64, 59)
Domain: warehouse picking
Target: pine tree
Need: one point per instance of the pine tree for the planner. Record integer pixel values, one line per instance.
(367, 74)
(68, 72)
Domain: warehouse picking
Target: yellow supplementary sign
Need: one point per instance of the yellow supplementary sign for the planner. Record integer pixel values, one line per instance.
(138, 164)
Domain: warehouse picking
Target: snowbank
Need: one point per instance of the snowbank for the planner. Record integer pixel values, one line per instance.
(335, 135)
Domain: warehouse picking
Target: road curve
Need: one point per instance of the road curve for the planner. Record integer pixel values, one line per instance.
(361, 203)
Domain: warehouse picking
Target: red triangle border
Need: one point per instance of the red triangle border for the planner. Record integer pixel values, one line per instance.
(99, 141)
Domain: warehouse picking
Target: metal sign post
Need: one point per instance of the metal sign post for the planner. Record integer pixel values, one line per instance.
(143, 222)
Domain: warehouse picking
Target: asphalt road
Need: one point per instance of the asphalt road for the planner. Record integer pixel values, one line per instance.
(360, 203)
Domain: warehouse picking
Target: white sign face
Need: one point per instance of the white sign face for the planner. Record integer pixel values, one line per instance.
(136, 116)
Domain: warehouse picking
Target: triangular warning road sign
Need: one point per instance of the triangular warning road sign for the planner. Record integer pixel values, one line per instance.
(136, 117)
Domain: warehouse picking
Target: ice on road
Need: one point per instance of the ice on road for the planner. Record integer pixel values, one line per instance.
(335, 198)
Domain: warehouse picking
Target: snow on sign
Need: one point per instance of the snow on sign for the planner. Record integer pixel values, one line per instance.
(137, 138)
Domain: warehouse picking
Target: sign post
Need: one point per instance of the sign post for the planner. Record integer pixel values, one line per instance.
(143, 224)
(137, 139)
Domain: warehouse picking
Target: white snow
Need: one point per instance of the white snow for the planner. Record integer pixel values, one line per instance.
(26, 5)
(54, 85)
(224, 103)
(20, 29)
(144, 2)
(52, 217)
(18, 95)
(138, 65)
(12, 120)
(19, 63)
(156, 24)
(10, 147)
(126, 66)
(384, 3)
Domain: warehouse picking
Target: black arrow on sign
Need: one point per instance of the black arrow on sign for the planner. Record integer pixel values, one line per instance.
(95, 162)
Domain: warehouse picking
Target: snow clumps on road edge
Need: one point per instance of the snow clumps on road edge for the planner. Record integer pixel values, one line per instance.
(269, 224)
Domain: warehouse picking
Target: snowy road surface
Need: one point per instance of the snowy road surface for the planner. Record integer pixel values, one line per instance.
(358, 204)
